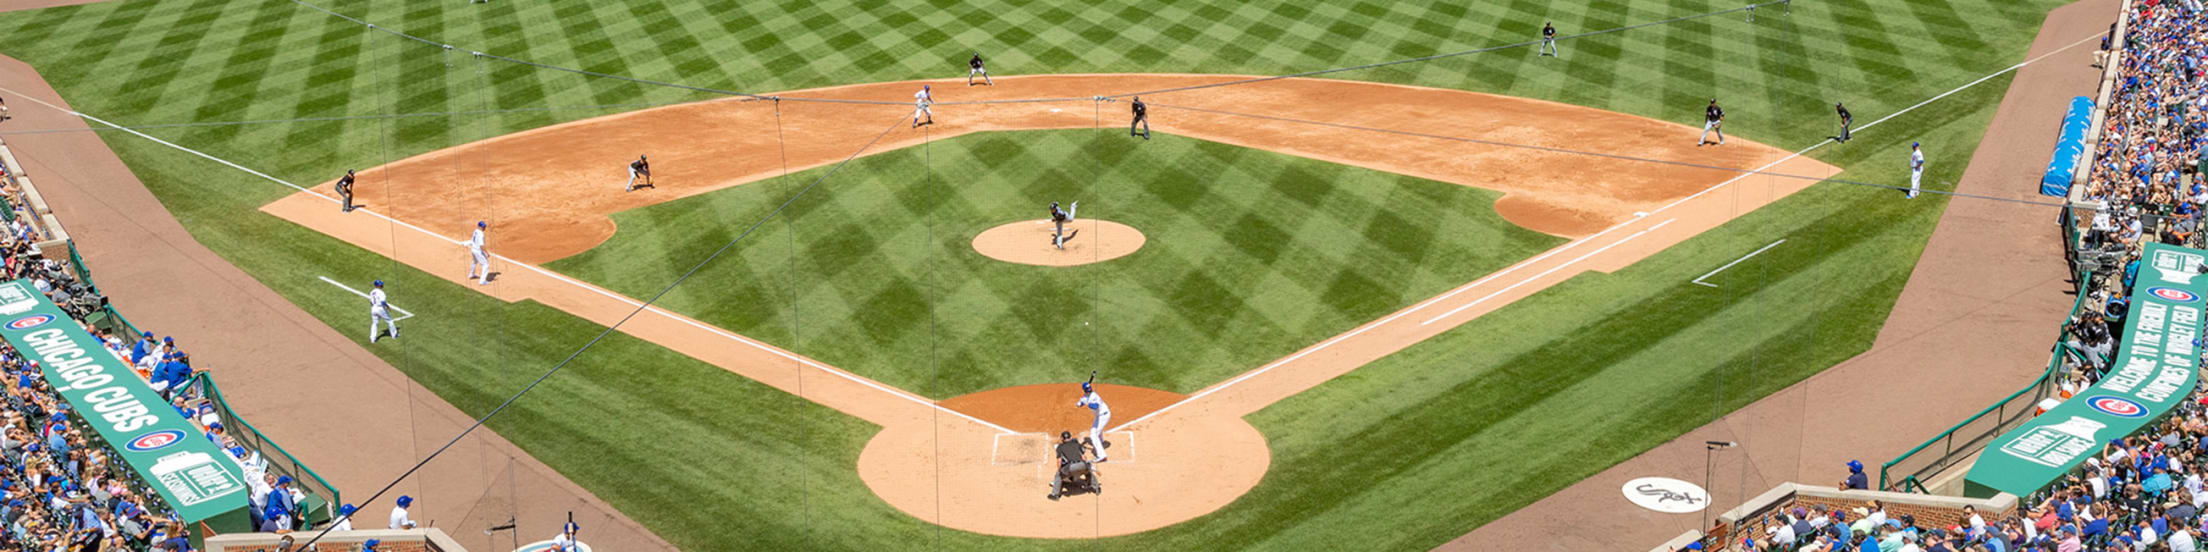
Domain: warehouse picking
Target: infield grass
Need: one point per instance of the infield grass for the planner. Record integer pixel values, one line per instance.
(1403, 454)
(1251, 256)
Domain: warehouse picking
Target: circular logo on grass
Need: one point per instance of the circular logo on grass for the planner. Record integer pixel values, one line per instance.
(155, 441)
(31, 321)
(2174, 294)
(2115, 406)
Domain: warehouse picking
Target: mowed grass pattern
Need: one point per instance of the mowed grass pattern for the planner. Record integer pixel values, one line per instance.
(1251, 255)
(1402, 454)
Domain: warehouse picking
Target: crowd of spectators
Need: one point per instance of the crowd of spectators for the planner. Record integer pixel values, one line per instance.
(61, 487)
(2147, 167)
(2143, 493)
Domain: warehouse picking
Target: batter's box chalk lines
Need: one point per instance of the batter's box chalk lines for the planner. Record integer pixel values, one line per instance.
(403, 314)
(533, 268)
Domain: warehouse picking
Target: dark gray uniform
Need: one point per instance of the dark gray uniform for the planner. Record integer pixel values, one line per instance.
(1142, 117)
(1071, 463)
(345, 191)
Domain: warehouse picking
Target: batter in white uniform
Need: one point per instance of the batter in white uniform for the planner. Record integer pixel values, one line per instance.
(920, 102)
(480, 260)
(1103, 416)
(379, 312)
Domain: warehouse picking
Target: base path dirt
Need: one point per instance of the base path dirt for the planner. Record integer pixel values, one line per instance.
(550, 198)
(970, 463)
(1030, 242)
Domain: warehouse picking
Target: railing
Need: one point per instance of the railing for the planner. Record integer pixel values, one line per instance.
(323, 497)
(1979, 428)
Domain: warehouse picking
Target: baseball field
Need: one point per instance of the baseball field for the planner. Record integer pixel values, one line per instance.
(1369, 309)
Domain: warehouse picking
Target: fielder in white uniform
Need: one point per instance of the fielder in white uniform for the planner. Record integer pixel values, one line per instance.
(1916, 167)
(379, 312)
(920, 102)
(480, 260)
(1095, 403)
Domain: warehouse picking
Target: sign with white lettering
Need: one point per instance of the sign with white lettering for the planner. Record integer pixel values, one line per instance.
(2152, 372)
(166, 451)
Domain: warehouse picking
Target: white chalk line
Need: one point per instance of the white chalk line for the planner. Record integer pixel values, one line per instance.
(402, 312)
(1575, 243)
(617, 297)
(1545, 273)
(1698, 280)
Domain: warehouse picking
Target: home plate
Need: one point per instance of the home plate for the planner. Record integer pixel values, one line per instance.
(1055, 110)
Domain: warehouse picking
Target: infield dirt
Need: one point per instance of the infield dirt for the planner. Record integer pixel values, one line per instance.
(947, 462)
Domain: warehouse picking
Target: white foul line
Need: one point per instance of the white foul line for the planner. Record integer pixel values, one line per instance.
(402, 312)
(1578, 242)
(1698, 280)
(555, 276)
(1544, 273)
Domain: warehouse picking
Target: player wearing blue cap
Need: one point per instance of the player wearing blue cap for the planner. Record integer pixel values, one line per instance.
(1090, 400)
(479, 262)
(1856, 478)
(1916, 167)
(565, 541)
(399, 519)
(345, 519)
(379, 312)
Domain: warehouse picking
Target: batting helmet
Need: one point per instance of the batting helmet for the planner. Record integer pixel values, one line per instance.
(1087, 388)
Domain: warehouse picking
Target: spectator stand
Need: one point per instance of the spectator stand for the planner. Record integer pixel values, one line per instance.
(20, 191)
(25, 212)
(410, 540)
(1756, 518)
(320, 507)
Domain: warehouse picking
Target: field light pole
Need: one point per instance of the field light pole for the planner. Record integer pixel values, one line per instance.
(1709, 449)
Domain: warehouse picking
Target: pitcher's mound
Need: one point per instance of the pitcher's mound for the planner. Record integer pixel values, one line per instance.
(1029, 242)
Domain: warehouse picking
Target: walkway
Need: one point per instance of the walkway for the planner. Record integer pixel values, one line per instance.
(1975, 321)
(281, 374)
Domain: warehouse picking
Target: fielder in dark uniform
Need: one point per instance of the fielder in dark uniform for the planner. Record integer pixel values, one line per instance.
(1713, 118)
(1059, 237)
(973, 67)
(1142, 117)
(1846, 120)
(1548, 39)
(345, 191)
(640, 167)
(1072, 462)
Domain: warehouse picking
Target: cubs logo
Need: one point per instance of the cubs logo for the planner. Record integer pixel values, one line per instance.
(31, 321)
(2114, 406)
(2174, 294)
(155, 441)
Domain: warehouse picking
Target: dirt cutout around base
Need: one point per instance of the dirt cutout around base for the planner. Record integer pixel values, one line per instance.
(1029, 242)
(548, 192)
(971, 471)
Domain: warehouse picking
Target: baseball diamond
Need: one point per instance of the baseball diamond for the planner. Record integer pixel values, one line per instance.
(715, 275)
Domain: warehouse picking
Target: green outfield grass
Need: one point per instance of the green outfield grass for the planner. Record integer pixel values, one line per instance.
(1251, 256)
(1404, 454)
